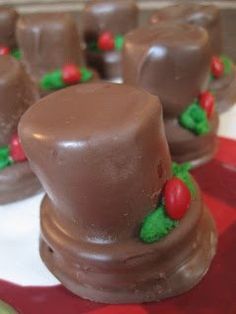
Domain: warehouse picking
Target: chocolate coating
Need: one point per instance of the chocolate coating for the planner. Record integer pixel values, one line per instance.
(224, 90)
(107, 64)
(48, 41)
(172, 61)
(17, 93)
(207, 16)
(117, 17)
(18, 182)
(186, 146)
(103, 162)
(8, 19)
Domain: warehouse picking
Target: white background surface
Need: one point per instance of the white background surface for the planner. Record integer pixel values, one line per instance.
(19, 231)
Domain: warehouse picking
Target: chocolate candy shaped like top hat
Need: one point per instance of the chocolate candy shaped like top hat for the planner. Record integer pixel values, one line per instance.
(17, 93)
(172, 61)
(103, 161)
(222, 81)
(116, 18)
(48, 41)
(207, 16)
(8, 19)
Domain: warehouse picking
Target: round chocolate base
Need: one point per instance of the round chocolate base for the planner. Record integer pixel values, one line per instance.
(188, 147)
(107, 64)
(224, 90)
(18, 182)
(131, 271)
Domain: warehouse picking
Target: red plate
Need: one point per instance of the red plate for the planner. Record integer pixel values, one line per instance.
(216, 294)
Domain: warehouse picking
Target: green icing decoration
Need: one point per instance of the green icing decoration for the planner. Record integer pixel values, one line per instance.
(16, 53)
(5, 160)
(6, 308)
(53, 80)
(156, 226)
(228, 64)
(194, 119)
(182, 172)
(119, 42)
(86, 75)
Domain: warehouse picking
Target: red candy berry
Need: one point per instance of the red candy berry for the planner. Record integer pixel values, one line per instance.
(71, 74)
(207, 102)
(106, 41)
(217, 67)
(4, 51)
(16, 151)
(177, 198)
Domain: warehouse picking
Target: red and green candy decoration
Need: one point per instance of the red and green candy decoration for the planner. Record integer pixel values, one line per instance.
(11, 153)
(4, 51)
(220, 66)
(70, 74)
(176, 198)
(196, 117)
(107, 42)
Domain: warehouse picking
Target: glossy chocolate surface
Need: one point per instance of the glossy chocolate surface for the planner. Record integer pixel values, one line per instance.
(48, 41)
(17, 93)
(186, 146)
(103, 162)
(107, 64)
(8, 19)
(106, 130)
(224, 90)
(117, 16)
(18, 182)
(172, 61)
(207, 16)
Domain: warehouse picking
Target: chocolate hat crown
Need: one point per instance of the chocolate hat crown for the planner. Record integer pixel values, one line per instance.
(8, 18)
(207, 16)
(17, 93)
(48, 41)
(169, 60)
(117, 16)
(100, 152)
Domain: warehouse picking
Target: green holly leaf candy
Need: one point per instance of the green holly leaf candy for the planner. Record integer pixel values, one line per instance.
(52, 81)
(194, 119)
(119, 42)
(228, 64)
(182, 172)
(156, 226)
(16, 53)
(5, 160)
(202, 127)
(86, 75)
